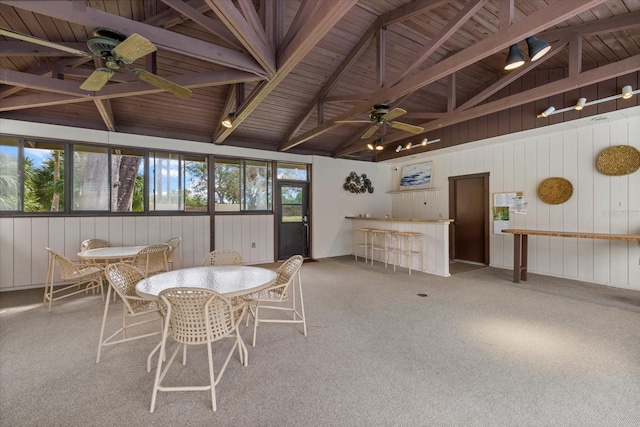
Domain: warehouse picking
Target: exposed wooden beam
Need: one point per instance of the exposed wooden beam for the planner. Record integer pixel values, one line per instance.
(21, 48)
(214, 27)
(451, 99)
(230, 105)
(536, 22)
(253, 39)
(410, 10)
(575, 55)
(505, 14)
(615, 23)
(329, 13)
(304, 15)
(104, 108)
(596, 75)
(163, 39)
(119, 90)
(380, 55)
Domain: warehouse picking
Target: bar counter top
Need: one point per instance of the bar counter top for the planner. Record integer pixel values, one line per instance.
(399, 219)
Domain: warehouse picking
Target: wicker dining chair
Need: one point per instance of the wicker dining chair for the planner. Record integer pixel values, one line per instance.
(197, 316)
(283, 293)
(223, 257)
(94, 244)
(175, 252)
(89, 275)
(122, 278)
(152, 259)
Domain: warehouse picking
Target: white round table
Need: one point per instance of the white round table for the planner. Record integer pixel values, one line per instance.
(111, 253)
(230, 281)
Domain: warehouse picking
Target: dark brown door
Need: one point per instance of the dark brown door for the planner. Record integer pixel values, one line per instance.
(469, 207)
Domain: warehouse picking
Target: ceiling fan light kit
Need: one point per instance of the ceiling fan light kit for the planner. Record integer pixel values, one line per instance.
(380, 115)
(626, 93)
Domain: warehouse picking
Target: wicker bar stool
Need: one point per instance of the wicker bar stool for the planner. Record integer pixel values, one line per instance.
(380, 243)
(408, 249)
(365, 244)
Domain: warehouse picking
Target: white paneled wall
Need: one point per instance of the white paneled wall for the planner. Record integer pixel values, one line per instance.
(23, 258)
(251, 235)
(599, 204)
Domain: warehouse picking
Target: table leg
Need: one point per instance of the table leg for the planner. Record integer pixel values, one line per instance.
(517, 246)
(524, 257)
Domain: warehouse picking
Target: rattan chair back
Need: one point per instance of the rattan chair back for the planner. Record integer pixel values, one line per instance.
(123, 278)
(152, 259)
(286, 274)
(223, 257)
(71, 271)
(175, 252)
(94, 244)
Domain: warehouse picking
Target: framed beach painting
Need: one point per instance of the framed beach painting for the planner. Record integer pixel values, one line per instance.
(416, 176)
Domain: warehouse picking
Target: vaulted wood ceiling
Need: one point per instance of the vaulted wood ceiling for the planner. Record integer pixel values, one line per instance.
(293, 70)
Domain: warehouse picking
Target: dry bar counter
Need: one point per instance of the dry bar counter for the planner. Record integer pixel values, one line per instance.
(435, 242)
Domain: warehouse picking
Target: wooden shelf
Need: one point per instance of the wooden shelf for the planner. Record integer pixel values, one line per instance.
(414, 191)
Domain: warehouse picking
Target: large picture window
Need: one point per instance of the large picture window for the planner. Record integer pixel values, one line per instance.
(177, 182)
(243, 185)
(43, 177)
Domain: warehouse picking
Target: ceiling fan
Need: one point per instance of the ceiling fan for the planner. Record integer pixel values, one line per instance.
(116, 51)
(380, 115)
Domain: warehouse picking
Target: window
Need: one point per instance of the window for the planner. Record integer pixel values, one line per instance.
(177, 182)
(46, 177)
(292, 171)
(43, 177)
(242, 185)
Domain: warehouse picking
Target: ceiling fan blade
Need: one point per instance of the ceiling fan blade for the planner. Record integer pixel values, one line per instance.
(46, 43)
(370, 131)
(164, 84)
(134, 47)
(97, 79)
(406, 127)
(396, 112)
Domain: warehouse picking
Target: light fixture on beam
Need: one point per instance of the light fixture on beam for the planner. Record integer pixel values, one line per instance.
(228, 121)
(375, 146)
(626, 93)
(410, 145)
(537, 49)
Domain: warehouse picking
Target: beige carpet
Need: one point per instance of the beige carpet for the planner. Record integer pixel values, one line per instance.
(478, 350)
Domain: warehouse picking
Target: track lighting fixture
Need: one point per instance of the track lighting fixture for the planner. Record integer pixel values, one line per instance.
(626, 93)
(409, 145)
(537, 49)
(228, 121)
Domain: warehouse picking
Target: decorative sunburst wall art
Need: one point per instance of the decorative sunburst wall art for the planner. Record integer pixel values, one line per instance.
(358, 184)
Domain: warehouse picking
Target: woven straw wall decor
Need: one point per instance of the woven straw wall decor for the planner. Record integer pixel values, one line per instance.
(555, 190)
(618, 160)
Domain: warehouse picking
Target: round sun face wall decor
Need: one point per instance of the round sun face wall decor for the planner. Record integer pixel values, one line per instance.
(555, 190)
(358, 184)
(618, 160)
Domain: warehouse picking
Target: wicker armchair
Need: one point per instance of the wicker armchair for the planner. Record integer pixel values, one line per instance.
(94, 244)
(122, 279)
(175, 252)
(152, 259)
(89, 275)
(196, 316)
(223, 257)
(282, 293)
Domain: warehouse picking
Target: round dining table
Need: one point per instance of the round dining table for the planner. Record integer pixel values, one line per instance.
(111, 253)
(230, 281)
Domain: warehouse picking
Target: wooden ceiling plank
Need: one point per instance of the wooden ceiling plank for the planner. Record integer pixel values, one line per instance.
(593, 76)
(544, 18)
(328, 15)
(253, 19)
(106, 112)
(410, 10)
(346, 64)
(253, 40)
(214, 27)
(615, 23)
(163, 39)
(443, 35)
(303, 16)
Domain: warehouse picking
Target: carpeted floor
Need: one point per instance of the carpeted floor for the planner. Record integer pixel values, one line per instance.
(477, 350)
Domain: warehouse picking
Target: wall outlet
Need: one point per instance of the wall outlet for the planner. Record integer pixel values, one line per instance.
(253, 244)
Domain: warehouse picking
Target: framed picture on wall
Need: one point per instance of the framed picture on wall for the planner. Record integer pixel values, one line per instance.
(416, 176)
